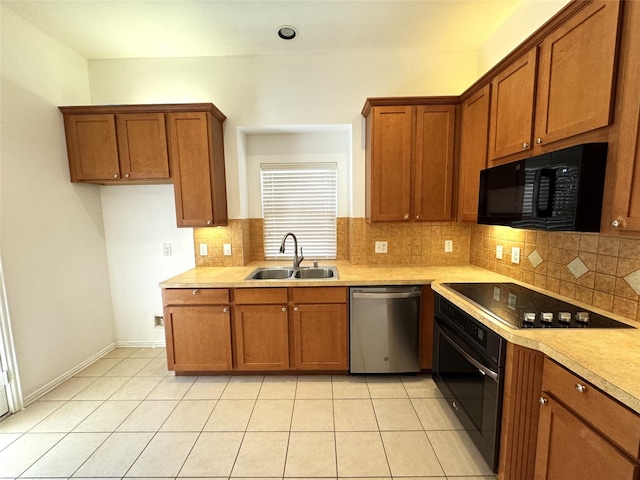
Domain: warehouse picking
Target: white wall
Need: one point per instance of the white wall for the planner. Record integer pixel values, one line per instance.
(51, 231)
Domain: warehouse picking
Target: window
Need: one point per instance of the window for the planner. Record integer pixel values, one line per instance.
(301, 198)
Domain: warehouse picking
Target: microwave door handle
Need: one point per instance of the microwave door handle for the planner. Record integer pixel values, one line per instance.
(536, 193)
(550, 175)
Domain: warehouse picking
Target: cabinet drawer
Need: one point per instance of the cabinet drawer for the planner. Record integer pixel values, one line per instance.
(614, 420)
(319, 295)
(195, 296)
(257, 296)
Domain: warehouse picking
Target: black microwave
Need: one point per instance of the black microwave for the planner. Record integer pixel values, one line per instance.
(559, 191)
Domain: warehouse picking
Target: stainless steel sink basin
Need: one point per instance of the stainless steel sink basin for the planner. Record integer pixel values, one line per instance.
(317, 272)
(284, 273)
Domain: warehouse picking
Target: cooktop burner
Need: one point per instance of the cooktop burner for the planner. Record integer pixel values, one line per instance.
(521, 307)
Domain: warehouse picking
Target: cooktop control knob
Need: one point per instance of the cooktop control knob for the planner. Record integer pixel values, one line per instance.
(582, 317)
(564, 317)
(546, 317)
(529, 317)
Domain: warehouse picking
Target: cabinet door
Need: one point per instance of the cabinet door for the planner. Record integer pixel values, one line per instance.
(388, 167)
(142, 145)
(474, 134)
(576, 73)
(195, 138)
(262, 337)
(92, 147)
(512, 97)
(320, 337)
(198, 338)
(568, 449)
(434, 150)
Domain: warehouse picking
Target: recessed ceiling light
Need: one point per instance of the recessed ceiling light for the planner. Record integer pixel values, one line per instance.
(287, 32)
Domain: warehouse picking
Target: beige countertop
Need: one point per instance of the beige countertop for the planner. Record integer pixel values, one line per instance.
(610, 359)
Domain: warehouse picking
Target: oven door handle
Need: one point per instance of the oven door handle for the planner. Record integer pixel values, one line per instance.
(484, 370)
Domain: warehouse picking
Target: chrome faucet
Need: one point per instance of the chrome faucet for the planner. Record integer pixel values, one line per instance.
(296, 259)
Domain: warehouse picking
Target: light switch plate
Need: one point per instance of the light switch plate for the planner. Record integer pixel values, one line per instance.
(448, 246)
(226, 249)
(381, 247)
(515, 255)
(204, 251)
(166, 249)
(499, 252)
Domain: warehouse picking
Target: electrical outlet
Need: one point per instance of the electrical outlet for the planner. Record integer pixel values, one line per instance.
(166, 249)
(448, 246)
(226, 249)
(499, 252)
(204, 251)
(515, 255)
(381, 247)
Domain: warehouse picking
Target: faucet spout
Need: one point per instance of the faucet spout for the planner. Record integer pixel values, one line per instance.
(296, 259)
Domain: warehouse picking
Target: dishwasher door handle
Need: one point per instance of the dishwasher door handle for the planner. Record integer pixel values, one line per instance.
(386, 295)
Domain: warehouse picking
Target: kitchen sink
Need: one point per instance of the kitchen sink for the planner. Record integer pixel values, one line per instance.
(284, 273)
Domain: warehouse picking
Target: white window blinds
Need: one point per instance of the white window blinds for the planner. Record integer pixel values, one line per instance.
(301, 198)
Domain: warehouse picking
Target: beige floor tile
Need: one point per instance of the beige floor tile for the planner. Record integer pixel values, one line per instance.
(213, 455)
(155, 368)
(149, 352)
(128, 367)
(262, 454)
(136, 388)
(26, 419)
(189, 416)
(311, 454)
(171, 388)
(108, 416)
(243, 388)
(421, 387)
(410, 455)
(148, 416)
(21, 454)
(102, 388)
(271, 416)
(67, 455)
(164, 456)
(7, 439)
(207, 388)
(457, 453)
(278, 387)
(354, 416)
(386, 387)
(99, 367)
(314, 387)
(69, 389)
(67, 417)
(349, 387)
(435, 414)
(115, 456)
(120, 352)
(230, 416)
(361, 454)
(312, 416)
(396, 414)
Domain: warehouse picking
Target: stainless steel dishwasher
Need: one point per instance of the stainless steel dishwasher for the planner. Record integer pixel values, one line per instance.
(384, 329)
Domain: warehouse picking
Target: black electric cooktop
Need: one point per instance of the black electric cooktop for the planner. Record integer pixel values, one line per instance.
(521, 307)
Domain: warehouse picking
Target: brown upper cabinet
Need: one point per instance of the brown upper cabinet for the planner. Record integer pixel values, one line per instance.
(108, 147)
(473, 151)
(410, 145)
(561, 88)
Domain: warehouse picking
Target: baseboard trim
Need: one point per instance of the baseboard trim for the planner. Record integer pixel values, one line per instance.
(140, 344)
(67, 375)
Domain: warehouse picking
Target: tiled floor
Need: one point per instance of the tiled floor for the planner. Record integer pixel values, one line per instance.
(127, 416)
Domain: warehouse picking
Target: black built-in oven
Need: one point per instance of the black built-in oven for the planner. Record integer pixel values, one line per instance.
(468, 368)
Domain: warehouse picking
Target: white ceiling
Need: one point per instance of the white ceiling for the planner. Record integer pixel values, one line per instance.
(101, 29)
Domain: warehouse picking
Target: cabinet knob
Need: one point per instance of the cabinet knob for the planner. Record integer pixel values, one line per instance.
(115, 175)
(542, 401)
(417, 217)
(225, 310)
(616, 223)
(295, 309)
(406, 216)
(539, 140)
(126, 175)
(195, 292)
(525, 145)
(209, 222)
(284, 309)
(581, 388)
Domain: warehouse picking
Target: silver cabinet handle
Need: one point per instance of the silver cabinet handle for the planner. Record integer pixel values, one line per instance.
(127, 175)
(225, 310)
(115, 175)
(539, 141)
(525, 145)
(284, 309)
(295, 309)
(209, 222)
(406, 216)
(615, 223)
(195, 292)
(581, 388)
(542, 401)
(417, 217)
